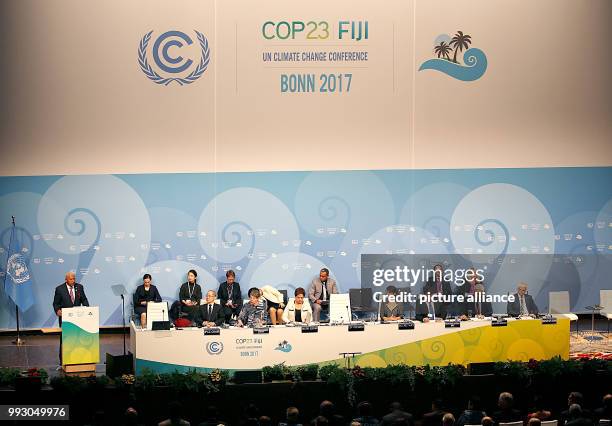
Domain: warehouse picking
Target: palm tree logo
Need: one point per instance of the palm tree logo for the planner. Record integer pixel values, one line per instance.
(473, 65)
(460, 41)
(443, 50)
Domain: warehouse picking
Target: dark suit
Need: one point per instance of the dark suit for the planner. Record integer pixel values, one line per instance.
(224, 296)
(140, 295)
(397, 416)
(508, 415)
(514, 308)
(581, 421)
(215, 316)
(441, 308)
(433, 418)
(61, 299)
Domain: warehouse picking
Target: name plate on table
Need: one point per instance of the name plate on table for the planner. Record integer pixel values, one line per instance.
(160, 325)
(407, 325)
(549, 320)
(356, 327)
(452, 324)
(261, 330)
(212, 331)
(310, 329)
(499, 322)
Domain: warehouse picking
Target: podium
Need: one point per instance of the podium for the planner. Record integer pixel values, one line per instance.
(80, 339)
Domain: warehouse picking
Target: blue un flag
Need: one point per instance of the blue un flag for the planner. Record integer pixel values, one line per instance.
(17, 281)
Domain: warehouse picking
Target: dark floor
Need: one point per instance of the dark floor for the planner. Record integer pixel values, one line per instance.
(41, 351)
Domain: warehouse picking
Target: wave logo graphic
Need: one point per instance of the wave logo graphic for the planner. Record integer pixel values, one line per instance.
(474, 60)
(167, 52)
(214, 348)
(284, 346)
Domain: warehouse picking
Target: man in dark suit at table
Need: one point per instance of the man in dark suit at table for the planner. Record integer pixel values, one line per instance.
(230, 295)
(210, 313)
(68, 295)
(523, 304)
(435, 285)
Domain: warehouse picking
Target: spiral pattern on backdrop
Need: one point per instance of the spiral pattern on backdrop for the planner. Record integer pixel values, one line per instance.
(236, 232)
(433, 349)
(491, 235)
(77, 220)
(437, 225)
(335, 208)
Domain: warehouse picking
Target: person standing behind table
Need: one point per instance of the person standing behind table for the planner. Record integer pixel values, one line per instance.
(429, 310)
(523, 304)
(298, 309)
(319, 291)
(68, 295)
(145, 293)
(436, 284)
(190, 295)
(230, 295)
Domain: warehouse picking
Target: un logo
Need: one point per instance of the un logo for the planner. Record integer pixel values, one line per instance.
(17, 269)
(166, 53)
(214, 348)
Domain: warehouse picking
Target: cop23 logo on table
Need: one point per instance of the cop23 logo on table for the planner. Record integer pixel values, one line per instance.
(474, 60)
(170, 64)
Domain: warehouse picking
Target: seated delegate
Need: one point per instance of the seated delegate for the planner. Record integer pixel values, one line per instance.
(298, 308)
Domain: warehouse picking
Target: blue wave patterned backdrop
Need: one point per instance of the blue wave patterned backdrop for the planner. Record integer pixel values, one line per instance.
(280, 228)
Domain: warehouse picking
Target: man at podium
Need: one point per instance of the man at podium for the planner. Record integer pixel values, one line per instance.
(68, 295)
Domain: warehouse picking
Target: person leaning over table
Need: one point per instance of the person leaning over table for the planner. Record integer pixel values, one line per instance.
(210, 314)
(253, 313)
(319, 291)
(391, 310)
(275, 302)
(145, 293)
(190, 295)
(523, 304)
(298, 309)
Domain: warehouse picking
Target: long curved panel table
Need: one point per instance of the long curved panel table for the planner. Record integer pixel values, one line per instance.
(379, 345)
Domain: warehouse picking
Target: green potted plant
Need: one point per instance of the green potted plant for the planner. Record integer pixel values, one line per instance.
(72, 385)
(8, 376)
(274, 373)
(308, 372)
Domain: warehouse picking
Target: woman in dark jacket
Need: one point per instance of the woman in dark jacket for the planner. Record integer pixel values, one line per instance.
(145, 293)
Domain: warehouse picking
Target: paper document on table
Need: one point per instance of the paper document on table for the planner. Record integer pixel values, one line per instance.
(156, 311)
(339, 308)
